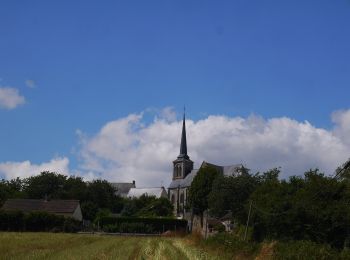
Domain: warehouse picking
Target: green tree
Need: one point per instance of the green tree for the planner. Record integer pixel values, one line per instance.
(74, 188)
(48, 184)
(10, 189)
(161, 207)
(147, 206)
(201, 187)
(102, 193)
(89, 210)
(231, 193)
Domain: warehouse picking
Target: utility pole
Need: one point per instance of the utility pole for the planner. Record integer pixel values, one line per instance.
(246, 227)
(206, 225)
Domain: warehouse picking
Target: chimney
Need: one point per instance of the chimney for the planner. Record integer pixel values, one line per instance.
(133, 182)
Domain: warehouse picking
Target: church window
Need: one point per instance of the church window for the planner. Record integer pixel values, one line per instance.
(182, 198)
(172, 199)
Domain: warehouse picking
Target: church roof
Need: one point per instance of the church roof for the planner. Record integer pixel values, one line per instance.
(123, 188)
(230, 170)
(138, 192)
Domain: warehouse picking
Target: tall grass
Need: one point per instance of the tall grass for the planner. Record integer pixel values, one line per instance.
(75, 246)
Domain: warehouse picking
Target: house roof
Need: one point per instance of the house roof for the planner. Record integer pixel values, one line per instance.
(138, 192)
(52, 206)
(123, 187)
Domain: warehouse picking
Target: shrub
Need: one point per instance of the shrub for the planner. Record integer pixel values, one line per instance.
(11, 220)
(71, 225)
(36, 221)
(231, 243)
(142, 225)
(42, 221)
(303, 249)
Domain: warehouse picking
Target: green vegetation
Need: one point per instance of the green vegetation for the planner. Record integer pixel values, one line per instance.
(314, 207)
(229, 246)
(201, 187)
(147, 206)
(37, 221)
(97, 197)
(142, 225)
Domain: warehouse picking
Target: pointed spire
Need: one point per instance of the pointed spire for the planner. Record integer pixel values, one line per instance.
(183, 146)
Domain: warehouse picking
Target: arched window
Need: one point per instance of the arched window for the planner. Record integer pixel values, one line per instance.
(178, 170)
(173, 199)
(182, 198)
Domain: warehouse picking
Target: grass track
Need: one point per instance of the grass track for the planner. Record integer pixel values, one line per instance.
(74, 246)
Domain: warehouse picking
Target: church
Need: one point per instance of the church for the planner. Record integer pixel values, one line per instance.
(183, 174)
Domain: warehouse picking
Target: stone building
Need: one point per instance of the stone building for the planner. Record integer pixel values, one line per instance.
(183, 174)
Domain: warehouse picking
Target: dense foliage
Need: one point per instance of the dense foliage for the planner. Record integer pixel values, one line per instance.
(201, 187)
(36, 221)
(147, 206)
(314, 207)
(97, 198)
(142, 224)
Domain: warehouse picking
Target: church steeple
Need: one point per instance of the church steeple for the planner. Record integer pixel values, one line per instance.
(182, 165)
(183, 146)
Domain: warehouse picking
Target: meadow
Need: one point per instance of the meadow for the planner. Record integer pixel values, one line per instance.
(77, 246)
(80, 246)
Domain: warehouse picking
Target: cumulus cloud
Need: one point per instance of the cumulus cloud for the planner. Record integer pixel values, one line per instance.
(128, 149)
(10, 98)
(10, 170)
(30, 83)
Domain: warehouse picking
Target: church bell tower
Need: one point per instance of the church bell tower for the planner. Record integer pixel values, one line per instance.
(182, 165)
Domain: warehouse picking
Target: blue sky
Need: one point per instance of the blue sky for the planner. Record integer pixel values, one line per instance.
(96, 61)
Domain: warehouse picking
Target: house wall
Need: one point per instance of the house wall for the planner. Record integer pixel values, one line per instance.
(78, 214)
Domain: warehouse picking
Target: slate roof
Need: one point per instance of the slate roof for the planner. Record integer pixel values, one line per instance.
(52, 206)
(123, 188)
(138, 192)
(230, 170)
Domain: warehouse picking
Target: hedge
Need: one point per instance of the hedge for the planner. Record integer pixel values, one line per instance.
(36, 221)
(141, 225)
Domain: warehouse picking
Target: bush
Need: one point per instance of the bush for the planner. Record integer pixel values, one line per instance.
(71, 225)
(304, 250)
(142, 225)
(126, 227)
(42, 221)
(231, 243)
(11, 220)
(36, 221)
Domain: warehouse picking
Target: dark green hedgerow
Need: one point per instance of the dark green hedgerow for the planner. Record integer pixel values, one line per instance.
(142, 225)
(36, 221)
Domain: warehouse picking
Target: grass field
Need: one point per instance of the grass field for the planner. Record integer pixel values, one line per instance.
(75, 246)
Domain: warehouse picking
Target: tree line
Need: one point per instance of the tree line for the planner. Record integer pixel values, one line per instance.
(97, 198)
(311, 207)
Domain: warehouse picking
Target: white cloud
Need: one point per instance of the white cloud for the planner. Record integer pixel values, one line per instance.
(126, 149)
(10, 170)
(10, 98)
(30, 83)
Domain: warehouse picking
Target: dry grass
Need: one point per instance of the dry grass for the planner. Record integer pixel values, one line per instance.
(75, 246)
